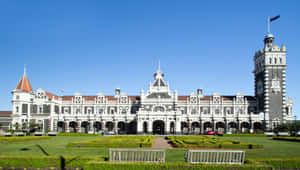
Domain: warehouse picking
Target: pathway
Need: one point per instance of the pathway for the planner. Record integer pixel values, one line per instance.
(162, 143)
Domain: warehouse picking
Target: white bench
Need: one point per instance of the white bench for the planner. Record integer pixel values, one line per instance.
(38, 133)
(283, 134)
(269, 133)
(215, 156)
(19, 134)
(137, 155)
(7, 134)
(52, 133)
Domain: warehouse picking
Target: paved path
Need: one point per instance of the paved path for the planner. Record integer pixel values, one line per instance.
(160, 142)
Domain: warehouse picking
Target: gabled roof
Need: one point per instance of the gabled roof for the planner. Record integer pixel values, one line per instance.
(24, 84)
(50, 95)
(5, 113)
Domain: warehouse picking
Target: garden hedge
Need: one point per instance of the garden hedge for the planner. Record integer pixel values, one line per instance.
(209, 142)
(245, 135)
(77, 134)
(116, 142)
(100, 163)
(23, 139)
(293, 139)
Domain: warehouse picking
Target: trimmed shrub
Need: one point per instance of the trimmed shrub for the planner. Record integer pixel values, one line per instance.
(23, 138)
(245, 135)
(209, 142)
(116, 142)
(293, 139)
(77, 134)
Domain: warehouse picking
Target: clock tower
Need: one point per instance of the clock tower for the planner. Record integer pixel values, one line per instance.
(270, 84)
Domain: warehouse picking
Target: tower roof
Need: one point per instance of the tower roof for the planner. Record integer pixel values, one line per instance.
(24, 84)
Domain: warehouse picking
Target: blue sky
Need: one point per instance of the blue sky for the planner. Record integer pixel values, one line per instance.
(97, 46)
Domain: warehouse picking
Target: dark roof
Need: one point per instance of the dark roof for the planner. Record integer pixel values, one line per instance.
(5, 113)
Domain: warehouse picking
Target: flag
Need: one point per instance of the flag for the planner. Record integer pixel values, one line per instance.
(274, 18)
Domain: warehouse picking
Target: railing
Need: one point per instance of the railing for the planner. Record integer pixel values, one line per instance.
(137, 155)
(215, 156)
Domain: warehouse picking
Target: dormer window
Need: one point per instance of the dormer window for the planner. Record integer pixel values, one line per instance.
(123, 99)
(100, 99)
(78, 99)
(193, 100)
(240, 99)
(216, 100)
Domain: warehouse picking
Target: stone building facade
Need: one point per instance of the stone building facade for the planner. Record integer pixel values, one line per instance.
(162, 111)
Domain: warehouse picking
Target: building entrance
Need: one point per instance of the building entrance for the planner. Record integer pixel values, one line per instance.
(158, 127)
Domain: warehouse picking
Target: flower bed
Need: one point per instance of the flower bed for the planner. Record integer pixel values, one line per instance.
(293, 139)
(209, 142)
(22, 139)
(116, 142)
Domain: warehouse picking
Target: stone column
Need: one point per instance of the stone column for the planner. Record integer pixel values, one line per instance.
(67, 126)
(167, 128)
(177, 127)
(115, 127)
(150, 128)
(201, 127)
(139, 126)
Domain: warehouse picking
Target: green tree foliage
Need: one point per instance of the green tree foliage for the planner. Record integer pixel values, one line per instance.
(288, 127)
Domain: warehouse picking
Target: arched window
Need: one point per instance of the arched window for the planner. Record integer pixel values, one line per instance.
(270, 60)
(159, 109)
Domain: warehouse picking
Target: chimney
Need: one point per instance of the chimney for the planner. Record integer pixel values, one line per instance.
(117, 92)
(199, 92)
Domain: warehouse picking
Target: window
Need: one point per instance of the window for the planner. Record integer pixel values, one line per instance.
(228, 111)
(275, 60)
(78, 111)
(124, 111)
(17, 109)
(123, 100)
(100, 111)
(280, 60)
(17, 97)
(100, 99)
(159, 109)
(270, 60)
(194, 111)
(193, 99)
(205, 111)
(216, 100)
(77, 99)
(217, 111)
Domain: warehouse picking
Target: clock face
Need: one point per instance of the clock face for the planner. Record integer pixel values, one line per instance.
(260, 88)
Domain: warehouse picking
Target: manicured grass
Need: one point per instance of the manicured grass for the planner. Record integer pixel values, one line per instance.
(54, 146)
(57, 145)
(210, 142)
(272, 148)
(22, 139)
(116, 142)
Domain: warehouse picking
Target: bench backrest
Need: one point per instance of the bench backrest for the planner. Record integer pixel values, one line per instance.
(140, 155)
(215, 156)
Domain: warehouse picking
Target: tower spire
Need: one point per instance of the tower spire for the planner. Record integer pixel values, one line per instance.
(24, 84)
(24, 69)
(158, 65)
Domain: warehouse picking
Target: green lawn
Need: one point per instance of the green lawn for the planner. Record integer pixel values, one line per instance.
(57, 146)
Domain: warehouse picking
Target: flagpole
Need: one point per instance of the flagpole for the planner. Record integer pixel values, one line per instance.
(268, 24)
